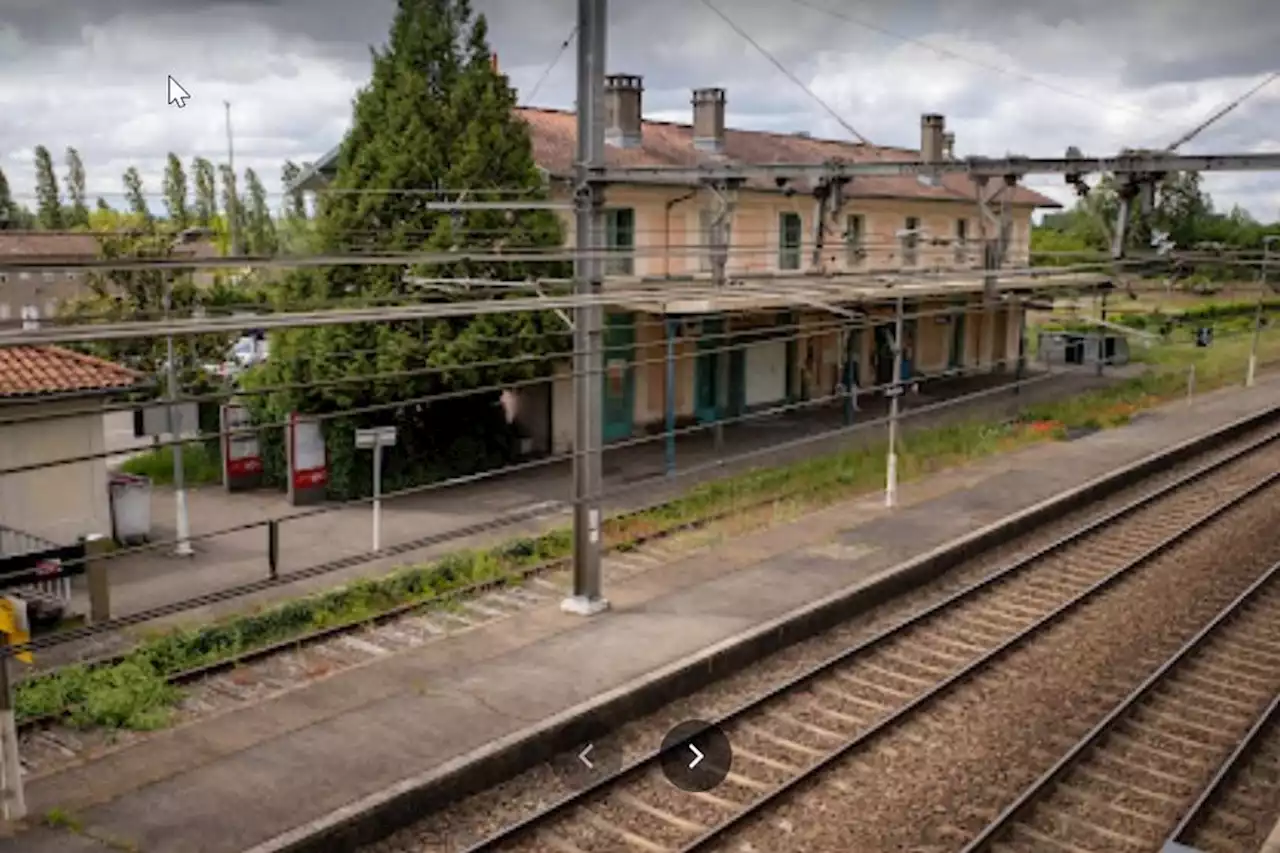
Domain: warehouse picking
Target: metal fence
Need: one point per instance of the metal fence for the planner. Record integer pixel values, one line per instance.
(33, 567)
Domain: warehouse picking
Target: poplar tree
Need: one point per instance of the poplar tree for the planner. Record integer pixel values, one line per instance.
(261, 230)
(206, 206)
(48, 199)
(135, 197)
(295, 206)
(79, 211)
(8, 210)
(175, 192)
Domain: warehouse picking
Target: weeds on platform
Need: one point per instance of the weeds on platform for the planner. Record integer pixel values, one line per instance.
(136, 693)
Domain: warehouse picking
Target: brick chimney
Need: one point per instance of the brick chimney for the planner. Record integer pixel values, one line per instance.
(948, 146)
(622, 106)
(932, 132)
(708, 119)
(493, 63)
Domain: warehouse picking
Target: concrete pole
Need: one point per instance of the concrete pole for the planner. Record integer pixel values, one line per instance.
(671, 396)
(891, 467)
(377, 496)
(13, 804)
(233, 196)
(1102, 332)
(183, 521)
(1257, 316)
(588, 359)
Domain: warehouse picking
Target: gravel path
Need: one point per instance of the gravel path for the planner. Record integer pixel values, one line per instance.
(828, 714)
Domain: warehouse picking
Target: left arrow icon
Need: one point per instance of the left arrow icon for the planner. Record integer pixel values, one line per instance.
(582, 756)
(177, 94)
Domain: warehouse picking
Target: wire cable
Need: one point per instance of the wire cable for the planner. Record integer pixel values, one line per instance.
(533, 93)
(786, 71)
(950, 54)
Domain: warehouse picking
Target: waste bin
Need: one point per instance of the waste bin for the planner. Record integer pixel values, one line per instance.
(130, 508)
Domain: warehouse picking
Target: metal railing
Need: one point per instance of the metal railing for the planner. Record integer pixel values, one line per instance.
(25, 554)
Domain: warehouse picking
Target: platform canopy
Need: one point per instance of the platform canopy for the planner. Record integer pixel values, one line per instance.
(698, 297)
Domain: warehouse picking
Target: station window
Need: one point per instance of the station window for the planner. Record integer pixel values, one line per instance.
(855, 235)
(620, 236)
(962, 240)
(911, 241)
(790, 239)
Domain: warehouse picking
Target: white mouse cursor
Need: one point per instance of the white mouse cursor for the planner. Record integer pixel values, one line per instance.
(177, 94)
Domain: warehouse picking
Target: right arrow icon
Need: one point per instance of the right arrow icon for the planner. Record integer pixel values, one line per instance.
(697, 756)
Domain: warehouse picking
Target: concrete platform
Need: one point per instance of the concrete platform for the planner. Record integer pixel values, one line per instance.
(391, 735)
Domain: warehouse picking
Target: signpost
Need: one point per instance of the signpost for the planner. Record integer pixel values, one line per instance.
(241, 452)
(376, 439)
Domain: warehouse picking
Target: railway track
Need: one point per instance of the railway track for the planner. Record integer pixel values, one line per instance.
(1237, 810)
(1193, 721)
(254, 675)
(794, 732)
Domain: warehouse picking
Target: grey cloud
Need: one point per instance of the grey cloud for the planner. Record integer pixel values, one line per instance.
(292, 66)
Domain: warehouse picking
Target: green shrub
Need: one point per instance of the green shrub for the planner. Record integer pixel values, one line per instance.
(200, 466)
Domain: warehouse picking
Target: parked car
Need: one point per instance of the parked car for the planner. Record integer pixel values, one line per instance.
(248, 351)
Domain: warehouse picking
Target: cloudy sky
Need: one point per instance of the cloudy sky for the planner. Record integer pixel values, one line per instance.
(1027, 78)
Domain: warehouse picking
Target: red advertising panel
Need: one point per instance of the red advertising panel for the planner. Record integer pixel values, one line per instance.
(241, 452)
(310, 458)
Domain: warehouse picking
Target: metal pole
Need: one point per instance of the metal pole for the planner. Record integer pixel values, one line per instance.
(1257, 315)
(891, 467)
(232, 196)
(1102, 332)
(671, 397)
(183, 547)
(1021, 365)
(377, 496)
(588, 359)
(13, 804)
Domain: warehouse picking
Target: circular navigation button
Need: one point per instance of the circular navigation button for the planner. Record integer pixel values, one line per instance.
(586, 764)
(696, 756)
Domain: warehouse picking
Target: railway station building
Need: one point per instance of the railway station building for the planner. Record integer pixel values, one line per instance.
(785, 331)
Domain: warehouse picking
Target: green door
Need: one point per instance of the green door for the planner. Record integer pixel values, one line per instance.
(884, 354)
(706, 375)
(910, 344)
(955, 360)
(619, 376)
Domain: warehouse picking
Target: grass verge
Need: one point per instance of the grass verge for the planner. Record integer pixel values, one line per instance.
(134, 693)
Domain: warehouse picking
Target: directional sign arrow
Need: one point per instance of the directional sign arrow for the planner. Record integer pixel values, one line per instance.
(582, 756)
(697, 756)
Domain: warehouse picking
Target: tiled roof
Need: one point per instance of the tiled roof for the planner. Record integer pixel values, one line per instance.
(554, 135)
(75, 245)
(37, 370)
(48, 244)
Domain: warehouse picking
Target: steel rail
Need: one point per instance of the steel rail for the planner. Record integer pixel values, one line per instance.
(1050, 777)
(196, 673)
(1016, 567)
(1200, 808)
